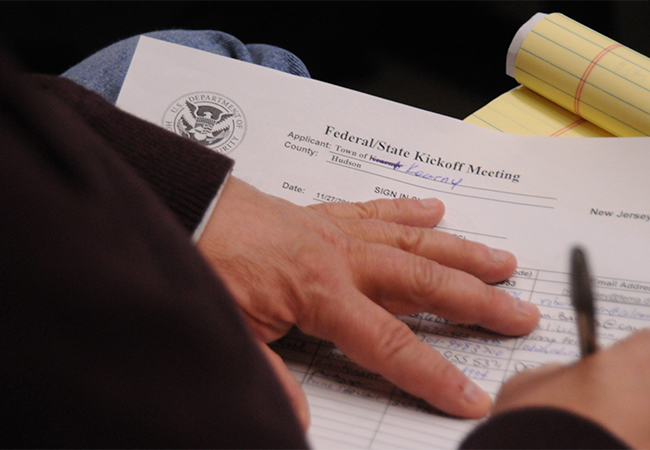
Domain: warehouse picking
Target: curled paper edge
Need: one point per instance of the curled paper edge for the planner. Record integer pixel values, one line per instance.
(519, 38)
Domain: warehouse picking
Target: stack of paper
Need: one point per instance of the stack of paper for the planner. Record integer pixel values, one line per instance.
(575, 82)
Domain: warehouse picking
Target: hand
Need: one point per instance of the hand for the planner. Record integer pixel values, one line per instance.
(610, 387)
(341, 272)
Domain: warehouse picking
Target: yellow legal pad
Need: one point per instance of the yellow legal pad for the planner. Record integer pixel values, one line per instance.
(575, 82)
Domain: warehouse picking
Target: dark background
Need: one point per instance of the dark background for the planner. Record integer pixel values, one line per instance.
(446, 57)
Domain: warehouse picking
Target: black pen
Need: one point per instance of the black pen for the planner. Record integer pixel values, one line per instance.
(583, 302)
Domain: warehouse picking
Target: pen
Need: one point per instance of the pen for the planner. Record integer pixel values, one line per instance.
(583, 302)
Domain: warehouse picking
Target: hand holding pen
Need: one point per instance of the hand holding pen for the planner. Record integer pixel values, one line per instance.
(611, 387)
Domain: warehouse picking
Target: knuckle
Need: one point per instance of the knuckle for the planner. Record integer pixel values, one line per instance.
(426, 279)
(411, 238)
(324, 208)
(396, 338)
(368, 210)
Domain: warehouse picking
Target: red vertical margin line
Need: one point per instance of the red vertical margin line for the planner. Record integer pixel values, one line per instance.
(585, 75)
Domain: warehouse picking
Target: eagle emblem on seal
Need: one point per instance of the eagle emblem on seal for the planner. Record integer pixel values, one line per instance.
(205, 124)
(207, 118)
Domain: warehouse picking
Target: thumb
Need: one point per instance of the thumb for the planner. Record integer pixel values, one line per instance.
(291, 386)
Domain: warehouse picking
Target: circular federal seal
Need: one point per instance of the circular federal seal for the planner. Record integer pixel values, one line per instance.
(207, 118)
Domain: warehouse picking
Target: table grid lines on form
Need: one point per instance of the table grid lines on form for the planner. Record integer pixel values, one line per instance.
(353, 407)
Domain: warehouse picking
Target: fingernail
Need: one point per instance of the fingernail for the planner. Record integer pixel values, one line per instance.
(474, 394)
(500, 256)
(430, 202)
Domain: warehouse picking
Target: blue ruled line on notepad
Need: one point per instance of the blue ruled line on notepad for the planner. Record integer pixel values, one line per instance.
(586, 82)
(587, 59)
(583, 102)
(597, 45)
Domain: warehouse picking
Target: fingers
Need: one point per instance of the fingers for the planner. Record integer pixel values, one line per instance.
(379, 342)
(418, 213)
(291, 386)
(406, 284)
(615, 364)
(610, 387)
(407, 223)
(488, 264)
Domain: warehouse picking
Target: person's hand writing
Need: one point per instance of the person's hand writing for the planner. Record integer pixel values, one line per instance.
(610, 387)
(341, 271)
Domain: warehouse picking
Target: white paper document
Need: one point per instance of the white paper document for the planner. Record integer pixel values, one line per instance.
(309, 142)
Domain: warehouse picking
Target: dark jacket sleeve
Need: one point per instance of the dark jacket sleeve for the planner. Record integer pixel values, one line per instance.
(185, 176)
(541, 428)
(113, 330)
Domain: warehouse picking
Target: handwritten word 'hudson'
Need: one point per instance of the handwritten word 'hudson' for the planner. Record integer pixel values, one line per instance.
(413, 170)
